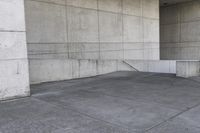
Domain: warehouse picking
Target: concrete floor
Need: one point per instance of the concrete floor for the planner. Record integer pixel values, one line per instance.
(121, 102)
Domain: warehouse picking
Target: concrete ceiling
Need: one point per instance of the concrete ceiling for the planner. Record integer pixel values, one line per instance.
(169, 2)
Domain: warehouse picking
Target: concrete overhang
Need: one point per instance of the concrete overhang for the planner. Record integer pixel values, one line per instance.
(170, 2)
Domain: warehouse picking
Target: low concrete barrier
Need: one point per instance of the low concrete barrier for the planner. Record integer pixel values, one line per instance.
(188, 68)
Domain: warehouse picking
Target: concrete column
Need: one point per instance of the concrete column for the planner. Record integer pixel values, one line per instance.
(14, 77)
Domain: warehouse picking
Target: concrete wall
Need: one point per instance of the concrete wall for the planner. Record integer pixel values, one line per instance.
(93, 29)
(66, 30)
(51, 70)
(180, 31)
(162, 66)
(14, 77)
(58, 69)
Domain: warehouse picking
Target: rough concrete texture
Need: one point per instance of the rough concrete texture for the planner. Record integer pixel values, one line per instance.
(164, 66)
(12, 14)
(121, 102)
(80, 29)
(14, 76)
(170, 2)
(61, 69)
(89, 32)
(180, 31)
(188, 68)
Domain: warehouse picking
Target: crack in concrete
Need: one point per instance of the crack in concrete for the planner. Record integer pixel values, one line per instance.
(173, 117)
(87, 115)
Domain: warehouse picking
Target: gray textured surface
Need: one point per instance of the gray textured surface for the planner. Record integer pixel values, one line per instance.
(180, 30)
(86, 31)
(188, 68)
(14, 76)
(169, 2)
(80, 29)
(121, 102)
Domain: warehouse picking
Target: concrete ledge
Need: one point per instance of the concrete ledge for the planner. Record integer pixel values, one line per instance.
(188, 68)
